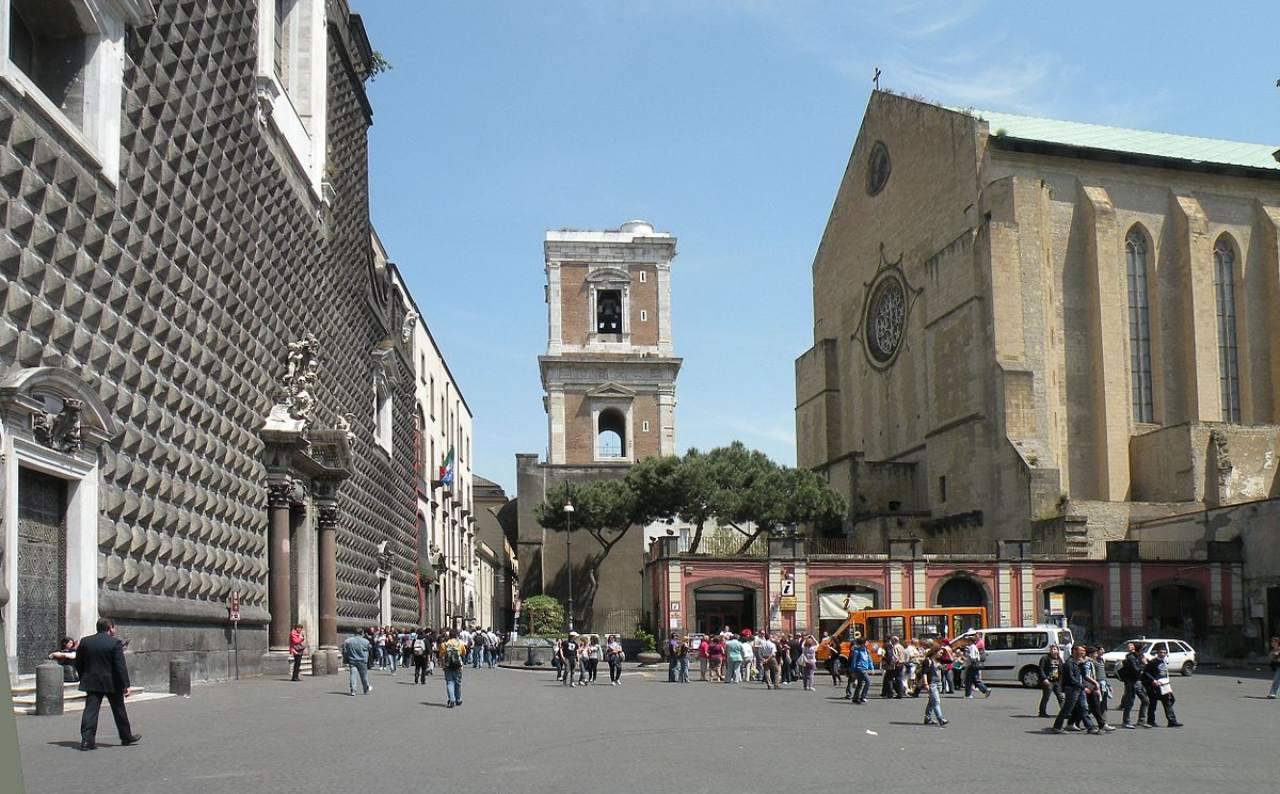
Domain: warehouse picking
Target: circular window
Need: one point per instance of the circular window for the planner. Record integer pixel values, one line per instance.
(886, 316)
(878, 168)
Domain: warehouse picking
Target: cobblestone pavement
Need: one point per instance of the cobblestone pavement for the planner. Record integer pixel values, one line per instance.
(520, 732)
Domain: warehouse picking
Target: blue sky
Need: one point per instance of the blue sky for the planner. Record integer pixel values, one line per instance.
(729, 125)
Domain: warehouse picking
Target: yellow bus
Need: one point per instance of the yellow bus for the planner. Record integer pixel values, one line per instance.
(878, 625)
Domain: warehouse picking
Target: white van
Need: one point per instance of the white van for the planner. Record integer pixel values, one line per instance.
(1013, 654)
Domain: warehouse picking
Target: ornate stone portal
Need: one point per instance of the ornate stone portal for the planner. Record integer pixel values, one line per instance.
(305, 468)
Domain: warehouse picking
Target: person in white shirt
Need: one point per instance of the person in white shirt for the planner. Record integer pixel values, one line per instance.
(769, 663)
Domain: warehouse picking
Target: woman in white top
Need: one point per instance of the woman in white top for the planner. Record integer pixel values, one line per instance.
(592, 658)
(615, 657)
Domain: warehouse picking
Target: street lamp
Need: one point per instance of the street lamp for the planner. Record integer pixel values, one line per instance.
(568, 553)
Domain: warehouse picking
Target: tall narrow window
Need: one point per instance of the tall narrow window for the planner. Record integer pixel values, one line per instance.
(1135, 251)
(1224, 259)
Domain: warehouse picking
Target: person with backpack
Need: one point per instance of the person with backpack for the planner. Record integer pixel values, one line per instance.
(860, 670)
(418, 653)
(452, 652)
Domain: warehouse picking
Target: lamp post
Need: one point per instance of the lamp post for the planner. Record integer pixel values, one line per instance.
(568, 553)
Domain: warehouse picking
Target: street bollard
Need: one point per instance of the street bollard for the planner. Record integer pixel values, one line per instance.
(319, 664)
(49, 688)
(180, 676)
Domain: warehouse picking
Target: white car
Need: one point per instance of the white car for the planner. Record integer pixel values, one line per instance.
(1182, 657)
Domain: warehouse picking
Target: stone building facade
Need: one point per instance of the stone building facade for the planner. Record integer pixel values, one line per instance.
(195, 336)
(445, 528)
(1043, 330)
(608, 378)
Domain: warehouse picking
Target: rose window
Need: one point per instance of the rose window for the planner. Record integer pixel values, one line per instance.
(885, 320)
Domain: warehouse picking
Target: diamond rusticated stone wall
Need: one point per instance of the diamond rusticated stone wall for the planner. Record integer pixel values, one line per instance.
(173, 293)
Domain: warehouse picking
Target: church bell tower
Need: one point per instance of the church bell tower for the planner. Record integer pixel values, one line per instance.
(609, 374)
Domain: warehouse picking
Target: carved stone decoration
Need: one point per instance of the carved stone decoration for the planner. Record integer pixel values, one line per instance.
(886, 310)
(406, 328)
(280, 492)
(327, 516)
(344, 426)
(60, 431)
(295, 393)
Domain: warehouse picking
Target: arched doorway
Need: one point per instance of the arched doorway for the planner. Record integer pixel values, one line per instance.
(834, 604)
(1177, 611)
(961, 591)
(721, 605)
(1075, 603)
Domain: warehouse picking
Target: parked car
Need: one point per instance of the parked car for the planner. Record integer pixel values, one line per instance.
(1013, 654)
(1182, 657)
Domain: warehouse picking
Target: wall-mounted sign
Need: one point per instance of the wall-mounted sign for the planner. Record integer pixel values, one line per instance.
(1057, 603)
(788, 587)
(675, 606)
(787, 603)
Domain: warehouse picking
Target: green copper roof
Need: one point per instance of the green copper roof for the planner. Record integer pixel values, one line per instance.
(1139, 142)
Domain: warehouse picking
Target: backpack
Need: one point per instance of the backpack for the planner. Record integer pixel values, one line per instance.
(419, 647)
(452, 659)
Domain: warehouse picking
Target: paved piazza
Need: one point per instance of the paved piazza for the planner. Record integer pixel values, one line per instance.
(520, 732)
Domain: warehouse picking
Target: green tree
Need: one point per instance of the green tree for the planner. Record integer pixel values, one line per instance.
(545, 614)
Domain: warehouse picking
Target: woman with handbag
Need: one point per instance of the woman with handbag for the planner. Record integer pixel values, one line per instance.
(614, 656)
(297, 647)
(808, 661)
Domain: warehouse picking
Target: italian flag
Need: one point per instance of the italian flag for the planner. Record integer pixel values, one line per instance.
(446, 469)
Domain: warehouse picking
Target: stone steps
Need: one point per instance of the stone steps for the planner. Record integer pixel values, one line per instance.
(24, 696)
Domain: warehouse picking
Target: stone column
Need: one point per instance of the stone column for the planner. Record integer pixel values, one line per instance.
(327, 524)
(278, 564)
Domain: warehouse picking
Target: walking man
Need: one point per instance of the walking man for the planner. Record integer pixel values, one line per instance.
(1051, 679)
(420, 656)
(1156, 677)
(860, 670)
(103, 674)
(1072, 692)
(452, 653)
(297, 647)
(769, 663)
(569, 658)
(1130, 673)
(973, 671)
(355, 653)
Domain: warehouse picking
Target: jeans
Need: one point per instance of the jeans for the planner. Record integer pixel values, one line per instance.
(673, 665)
(359, 671)
(806, 674)
(973, 679)
(592, 664)
(615, 671)
(453, 685)
(297, 666)
(744, 670)
(569, 667)
(420, 669)
(1048, 688)
(1072, 698)
(391, 658)
(735, 665)
(1133, 691)
(1275, 683)
(947, 687)
(862, 682)
(477, 657)
(933, 710)
(683, 670)
(703, 664)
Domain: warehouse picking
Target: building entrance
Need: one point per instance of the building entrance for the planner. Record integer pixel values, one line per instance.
(42, 567)
(724, 605)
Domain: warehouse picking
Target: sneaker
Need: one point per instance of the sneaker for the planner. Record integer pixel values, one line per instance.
(987, 694)
(1271, 697)
(1054, 730)
(1175, 725)
(1095, 732)
(928, 721)
(1108, 728)
(968, 697)
(1152, 725)
(134, 739)
(1129, 726)
(1145, 725)
(450, 705)
(943, 723)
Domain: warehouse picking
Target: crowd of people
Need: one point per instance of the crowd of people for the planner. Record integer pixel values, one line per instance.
(425, 649)
(936, 667)
(576, 659)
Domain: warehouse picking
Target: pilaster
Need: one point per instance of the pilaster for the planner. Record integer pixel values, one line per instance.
(895, 586)
(1027, 589)
(1197, 371)
(1115, 618)
(1269, 325)
(1108, 340)
(1004, 595)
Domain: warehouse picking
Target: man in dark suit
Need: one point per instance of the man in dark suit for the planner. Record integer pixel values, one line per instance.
(100, 662)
